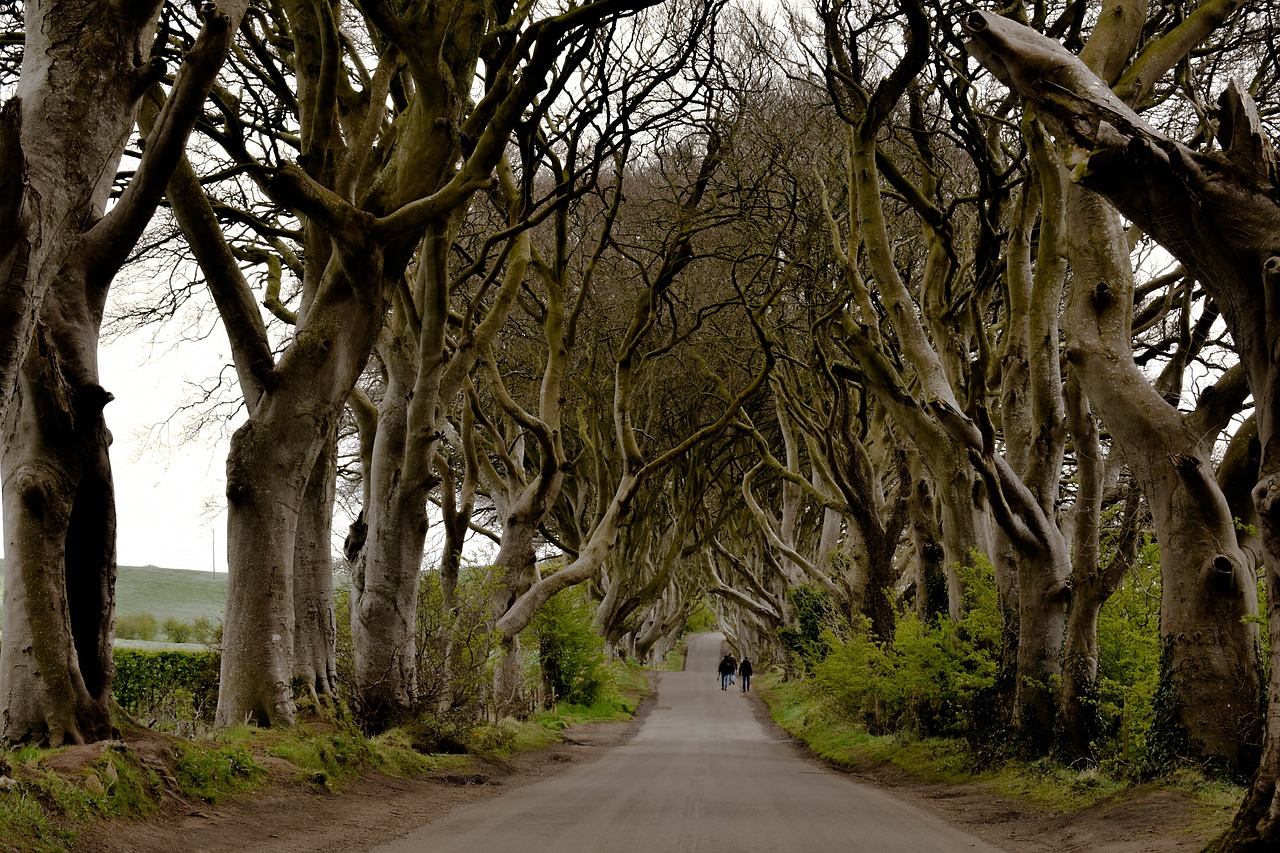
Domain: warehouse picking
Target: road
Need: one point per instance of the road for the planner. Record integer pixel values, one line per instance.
(701, 776)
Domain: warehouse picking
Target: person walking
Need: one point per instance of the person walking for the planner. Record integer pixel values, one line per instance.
(726, 670)
(744, 670)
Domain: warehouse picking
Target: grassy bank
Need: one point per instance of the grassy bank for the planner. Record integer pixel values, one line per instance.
(48, 795)
(1048, 786)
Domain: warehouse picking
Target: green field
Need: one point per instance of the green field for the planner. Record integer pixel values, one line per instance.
(166, 593)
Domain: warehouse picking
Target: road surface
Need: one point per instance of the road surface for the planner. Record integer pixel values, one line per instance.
(701, 776)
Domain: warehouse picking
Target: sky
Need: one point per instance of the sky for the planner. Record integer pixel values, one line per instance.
(170, 488)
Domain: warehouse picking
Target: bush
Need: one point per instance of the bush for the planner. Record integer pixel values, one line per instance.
(454, 646)
(171, 690)
(136, 626)
(816, 619)
(570, 653)
(928, 679)
(1129, 663)
(176, 630)
(207, 631)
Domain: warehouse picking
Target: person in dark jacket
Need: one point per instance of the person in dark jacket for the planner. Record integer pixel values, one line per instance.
(744, 670)
(726, 670)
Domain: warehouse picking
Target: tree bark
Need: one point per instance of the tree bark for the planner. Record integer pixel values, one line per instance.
(268, 467)
(315, 636)
(65, 131)
(1211, 682)
(385, 580)
(59, 515)
(61, 141)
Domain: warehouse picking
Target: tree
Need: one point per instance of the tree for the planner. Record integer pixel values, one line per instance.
(387, 160)
(440, 350)
(61, 140)
(1217, 215)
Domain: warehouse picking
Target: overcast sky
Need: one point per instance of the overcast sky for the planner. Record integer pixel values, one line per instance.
(170, 489)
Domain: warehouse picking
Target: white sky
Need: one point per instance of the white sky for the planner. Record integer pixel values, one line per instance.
(170, 490)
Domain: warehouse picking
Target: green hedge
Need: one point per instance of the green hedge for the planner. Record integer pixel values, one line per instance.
(167, 685)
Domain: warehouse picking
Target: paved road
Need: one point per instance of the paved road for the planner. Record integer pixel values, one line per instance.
(701, 776)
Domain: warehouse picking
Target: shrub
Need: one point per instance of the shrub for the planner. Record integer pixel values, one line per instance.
(570, 653)
(136, 626)
(176, 630)
(1129, 663)
(172, 690)
(207, 631)
(454, 646)
(928, 679)
(816, 619)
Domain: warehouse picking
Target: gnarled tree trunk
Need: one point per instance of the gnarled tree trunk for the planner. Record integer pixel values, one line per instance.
(59, 516)
(315, 630)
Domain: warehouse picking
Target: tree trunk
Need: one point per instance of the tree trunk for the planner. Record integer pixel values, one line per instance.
(315, 634)
(384, 596)
(268, 466)
(514, 571)
(59, 515)
(1210, 682)
(65, 131)
(1091, 584)
(61, 141)
(1221, 224)
(267, 469)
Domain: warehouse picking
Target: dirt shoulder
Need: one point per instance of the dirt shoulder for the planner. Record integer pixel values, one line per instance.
(291, 816)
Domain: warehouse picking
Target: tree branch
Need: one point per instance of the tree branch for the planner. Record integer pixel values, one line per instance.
(109, 242)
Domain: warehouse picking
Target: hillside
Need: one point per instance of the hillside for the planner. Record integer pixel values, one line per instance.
(166, 593)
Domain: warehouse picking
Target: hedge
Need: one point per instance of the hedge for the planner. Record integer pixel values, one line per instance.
(167, 683)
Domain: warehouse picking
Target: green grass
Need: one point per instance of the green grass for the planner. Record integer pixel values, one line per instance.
(35, 815)
(509, 736)
(1048, 786)
(326, 760)
(170, 593)
(396, 756)
(212, 770)
(23, 819)
(40, 813)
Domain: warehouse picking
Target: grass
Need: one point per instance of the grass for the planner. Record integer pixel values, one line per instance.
(25, 821)
(211, 770)
(41, 812)
(170, 593)
(1045, 784)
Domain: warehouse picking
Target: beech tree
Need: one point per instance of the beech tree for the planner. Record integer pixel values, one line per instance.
(85, 69)
(387, 159)
(931, 375)
(662, 260)
(1215, 212)
(444, 344)
(1209, 579)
